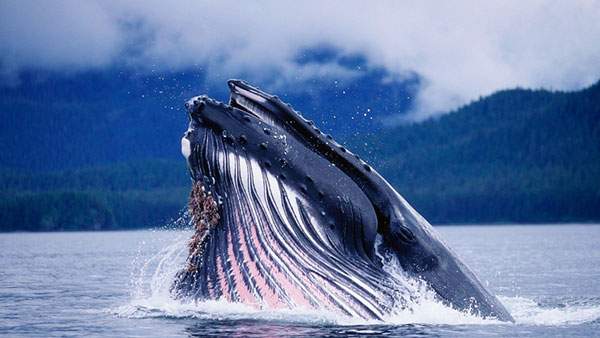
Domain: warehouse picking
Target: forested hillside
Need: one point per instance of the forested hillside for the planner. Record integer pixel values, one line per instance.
(515, 156)
(130, 195)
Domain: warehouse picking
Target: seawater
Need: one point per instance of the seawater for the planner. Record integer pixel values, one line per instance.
(117, 284)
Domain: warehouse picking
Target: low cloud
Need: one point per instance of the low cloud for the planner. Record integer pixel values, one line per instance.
(460, 50)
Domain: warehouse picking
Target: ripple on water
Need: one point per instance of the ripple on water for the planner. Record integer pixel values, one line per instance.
(48, 289)
(151, 299)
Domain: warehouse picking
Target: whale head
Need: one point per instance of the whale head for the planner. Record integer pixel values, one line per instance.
(284, 216)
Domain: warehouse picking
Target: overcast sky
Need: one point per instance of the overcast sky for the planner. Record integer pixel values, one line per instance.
(460, 49)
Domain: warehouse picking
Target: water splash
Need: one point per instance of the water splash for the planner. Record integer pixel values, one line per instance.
(151, 297)
(529, 312)
(153, 275)
(421, 306)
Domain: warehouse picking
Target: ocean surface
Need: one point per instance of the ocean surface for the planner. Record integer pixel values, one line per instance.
(116, 284)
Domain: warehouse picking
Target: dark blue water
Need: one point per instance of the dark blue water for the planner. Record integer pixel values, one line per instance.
(116, 284)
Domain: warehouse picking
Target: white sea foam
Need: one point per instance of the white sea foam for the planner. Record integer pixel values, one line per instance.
(527, 311)
(150, 298)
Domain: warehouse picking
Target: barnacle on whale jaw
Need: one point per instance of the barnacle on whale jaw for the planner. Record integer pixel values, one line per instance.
(204, 211)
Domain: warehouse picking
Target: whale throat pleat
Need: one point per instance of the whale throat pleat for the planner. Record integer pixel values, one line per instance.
(270, 249)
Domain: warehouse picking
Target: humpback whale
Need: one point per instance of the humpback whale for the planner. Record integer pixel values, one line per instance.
(285, 217)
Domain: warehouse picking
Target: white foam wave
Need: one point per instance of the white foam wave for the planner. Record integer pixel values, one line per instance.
(528, 311)
(422, 307)
(150, 298)
(223, 310)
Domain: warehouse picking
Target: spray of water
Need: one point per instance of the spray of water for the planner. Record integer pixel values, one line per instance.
(153, 275)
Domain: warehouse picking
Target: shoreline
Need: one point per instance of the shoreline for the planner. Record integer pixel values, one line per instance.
(443, 225)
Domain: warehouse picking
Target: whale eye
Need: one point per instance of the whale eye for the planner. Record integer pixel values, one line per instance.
(400, 233)
(407, 234)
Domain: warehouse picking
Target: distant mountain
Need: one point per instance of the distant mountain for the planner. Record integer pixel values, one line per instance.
(101, 151)
(516, 156)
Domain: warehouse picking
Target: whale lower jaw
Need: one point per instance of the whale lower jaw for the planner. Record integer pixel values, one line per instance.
(265, 250)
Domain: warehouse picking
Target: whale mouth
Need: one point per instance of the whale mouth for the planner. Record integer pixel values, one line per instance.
(285, 217)
(270, 230)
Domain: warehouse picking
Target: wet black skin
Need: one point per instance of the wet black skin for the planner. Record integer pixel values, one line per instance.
(404, 232)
